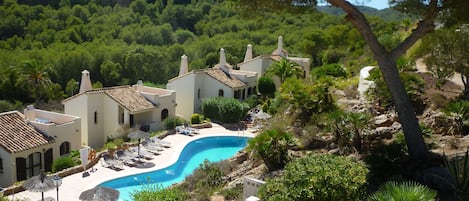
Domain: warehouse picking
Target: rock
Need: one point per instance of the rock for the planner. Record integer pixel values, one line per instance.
(442, 123)
(383, 120)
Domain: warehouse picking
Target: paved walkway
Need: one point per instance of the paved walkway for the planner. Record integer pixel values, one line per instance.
(74, 184)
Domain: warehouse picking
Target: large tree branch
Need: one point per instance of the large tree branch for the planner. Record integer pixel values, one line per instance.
(360, 22)
(424, 26)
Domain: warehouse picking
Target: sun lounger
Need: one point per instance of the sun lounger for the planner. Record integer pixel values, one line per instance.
(143, 153)
(162, 143)
(152, 148)
(126, 159)
(111, 163)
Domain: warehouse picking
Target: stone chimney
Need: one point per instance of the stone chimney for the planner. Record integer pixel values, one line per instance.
(29, 113)
(279, 50)
(139, 85)
(85, 84)
(184, 68)
(248, 55)
(223, 61)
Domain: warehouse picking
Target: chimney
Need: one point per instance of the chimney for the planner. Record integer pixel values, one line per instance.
(184, 68)
(139, 85)
(29, 113)
(223, 61)
(85, 84)
(279, 50)
(248, 55)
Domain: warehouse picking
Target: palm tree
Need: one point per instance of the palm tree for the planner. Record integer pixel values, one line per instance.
(285, 69)
(35, 76)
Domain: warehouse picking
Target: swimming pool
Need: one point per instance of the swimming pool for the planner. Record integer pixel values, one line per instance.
(213, 149)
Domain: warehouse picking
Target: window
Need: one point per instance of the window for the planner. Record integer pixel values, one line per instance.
(164, 114)
(244, 94)
(237, 94)
(220, 93)
(249, 91)
(120, 116)
(34, 167)
(131, 120)
(1, 166)
(64, 148)
(95, 117)
(198, 93)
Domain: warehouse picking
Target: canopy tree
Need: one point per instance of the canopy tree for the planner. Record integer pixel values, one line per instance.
(427, 10)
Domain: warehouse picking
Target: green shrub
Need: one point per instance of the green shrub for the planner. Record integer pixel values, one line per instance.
(155, 192)
(197, 118)
(459, 170)
(172, 122)
(63, 163)
(233, 193)
(266, 86)
(334, 70)
(408, 191)
(226, 110)
(318, 178)
(272, 147)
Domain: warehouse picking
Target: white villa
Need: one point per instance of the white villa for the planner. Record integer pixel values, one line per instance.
(261, 63)
(31, 141)
(112, 112)
(221, 80)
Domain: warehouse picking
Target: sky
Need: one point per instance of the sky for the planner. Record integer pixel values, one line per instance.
(378, 4)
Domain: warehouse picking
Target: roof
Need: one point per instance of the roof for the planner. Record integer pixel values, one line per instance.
(225, 78)
(129, 98)
(126, 96)
(16, 135)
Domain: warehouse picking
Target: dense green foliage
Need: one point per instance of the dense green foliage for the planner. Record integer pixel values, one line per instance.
(63, 163)
(272, 147)
(196, 118)
(151, 192)
(334, 70)
(172, 122)
(319, 178)
(266, 86)
(408, 191)
(120, 42)
(226, 110)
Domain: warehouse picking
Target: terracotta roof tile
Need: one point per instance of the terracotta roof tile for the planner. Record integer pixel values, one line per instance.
(225, 78)
(16, 135)
(129, 98)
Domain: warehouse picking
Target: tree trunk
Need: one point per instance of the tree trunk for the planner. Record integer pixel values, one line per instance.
(387, 64)
(407, 117)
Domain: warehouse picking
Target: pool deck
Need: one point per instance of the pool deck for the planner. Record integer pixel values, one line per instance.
(74, 184)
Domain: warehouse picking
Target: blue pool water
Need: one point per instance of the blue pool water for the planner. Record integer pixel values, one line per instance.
(213, 149)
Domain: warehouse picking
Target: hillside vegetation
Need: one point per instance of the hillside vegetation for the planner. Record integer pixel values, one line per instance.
(120, 42)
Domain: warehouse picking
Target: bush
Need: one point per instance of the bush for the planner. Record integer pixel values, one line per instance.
(408, 191)
(197, 118)
(266, 86)
(319, 178)
(272, 147)
(226, 110)
(155, 192)
(172, 122)
(334, 70)
(63, 163)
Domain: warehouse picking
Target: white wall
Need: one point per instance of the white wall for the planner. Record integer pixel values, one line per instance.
(9, 173)
(77, 107)
(186, 93)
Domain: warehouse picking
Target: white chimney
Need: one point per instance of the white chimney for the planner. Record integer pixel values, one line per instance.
(248, 55)
(184, 68)
(222, 58)
(279, 50)
(85, 84)
(139, 85)
(29, 113)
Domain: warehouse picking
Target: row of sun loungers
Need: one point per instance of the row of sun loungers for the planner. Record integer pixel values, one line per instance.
(131, 156)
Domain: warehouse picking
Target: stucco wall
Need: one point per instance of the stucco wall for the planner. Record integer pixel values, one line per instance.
(6, 178)
(77, 107)
(186, 93)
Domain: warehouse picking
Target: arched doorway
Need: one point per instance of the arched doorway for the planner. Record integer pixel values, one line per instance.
(48, 159)
(164, 114)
